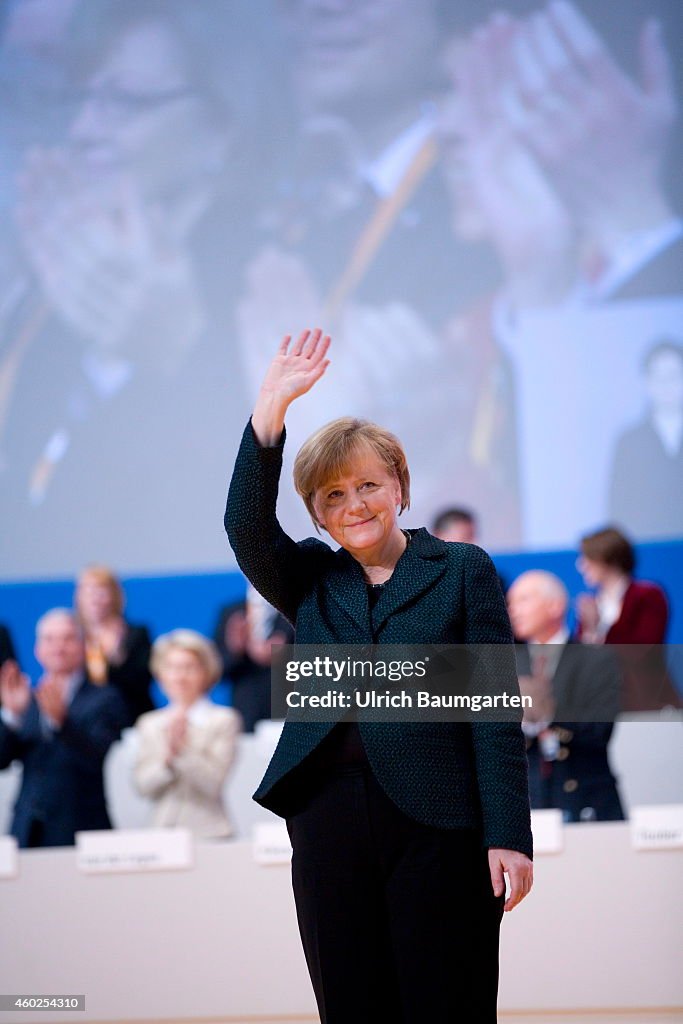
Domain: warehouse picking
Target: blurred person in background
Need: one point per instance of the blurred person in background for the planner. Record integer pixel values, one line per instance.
(61, 733)
(460, 526)
(632, 614)
(646, 486)
(575, 692)
(456, 525)
(186, 750)
(244, 636)
(116, 652)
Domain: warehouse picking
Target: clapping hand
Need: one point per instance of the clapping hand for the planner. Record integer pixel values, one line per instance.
(542, 699)
(15, 688)
(110, 637)
(589, 617)
(50, 698)
(177, 733)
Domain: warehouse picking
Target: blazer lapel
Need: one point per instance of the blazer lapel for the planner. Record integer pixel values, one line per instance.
(422, 563)
(346, 587)
(418, 568)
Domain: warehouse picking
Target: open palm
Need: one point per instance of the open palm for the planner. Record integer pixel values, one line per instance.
(295, 370)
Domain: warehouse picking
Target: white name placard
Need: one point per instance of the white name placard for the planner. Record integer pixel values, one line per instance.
(270, 843)
(153, 849)
(548, 831)
(9, 857)
(658, 827)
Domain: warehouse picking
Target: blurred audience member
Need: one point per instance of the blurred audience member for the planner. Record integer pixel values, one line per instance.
(116, 652)
(456, 524)
(575, 691)
(61, 733)
(186, 749)
(460, 525)
(245, 634)
(646, 487)
(633, 614)
(6, 645)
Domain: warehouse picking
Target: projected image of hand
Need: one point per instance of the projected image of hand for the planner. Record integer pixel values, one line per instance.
(600, 133)
(107, 261)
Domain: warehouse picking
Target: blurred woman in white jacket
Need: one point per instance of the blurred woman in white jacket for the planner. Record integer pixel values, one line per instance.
(186, 749)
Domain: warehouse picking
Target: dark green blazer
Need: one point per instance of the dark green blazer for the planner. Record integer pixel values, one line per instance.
(449, 775)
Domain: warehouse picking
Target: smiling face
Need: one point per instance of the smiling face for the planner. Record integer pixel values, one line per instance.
(359, 508)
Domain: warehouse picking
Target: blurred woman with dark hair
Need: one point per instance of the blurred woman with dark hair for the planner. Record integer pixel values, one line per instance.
(631, 613)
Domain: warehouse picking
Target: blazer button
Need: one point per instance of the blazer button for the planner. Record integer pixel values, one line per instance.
(570, 786)
(562, 754)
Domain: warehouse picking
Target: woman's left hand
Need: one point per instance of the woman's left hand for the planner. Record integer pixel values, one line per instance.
(520, 871)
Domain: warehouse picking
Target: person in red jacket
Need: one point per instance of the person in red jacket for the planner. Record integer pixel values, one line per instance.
(633, 614)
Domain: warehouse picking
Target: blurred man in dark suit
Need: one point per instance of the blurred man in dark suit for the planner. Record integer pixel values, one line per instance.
(61, 732)
(575, 691)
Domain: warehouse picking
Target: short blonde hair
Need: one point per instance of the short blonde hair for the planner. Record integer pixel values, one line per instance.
(103, 575)
(329, 452)
(187, 640)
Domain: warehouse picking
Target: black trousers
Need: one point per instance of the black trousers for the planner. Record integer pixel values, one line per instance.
(398, 919)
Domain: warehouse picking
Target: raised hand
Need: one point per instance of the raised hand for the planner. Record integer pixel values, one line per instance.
(295, 370)
(15, 688)
(292, 373)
